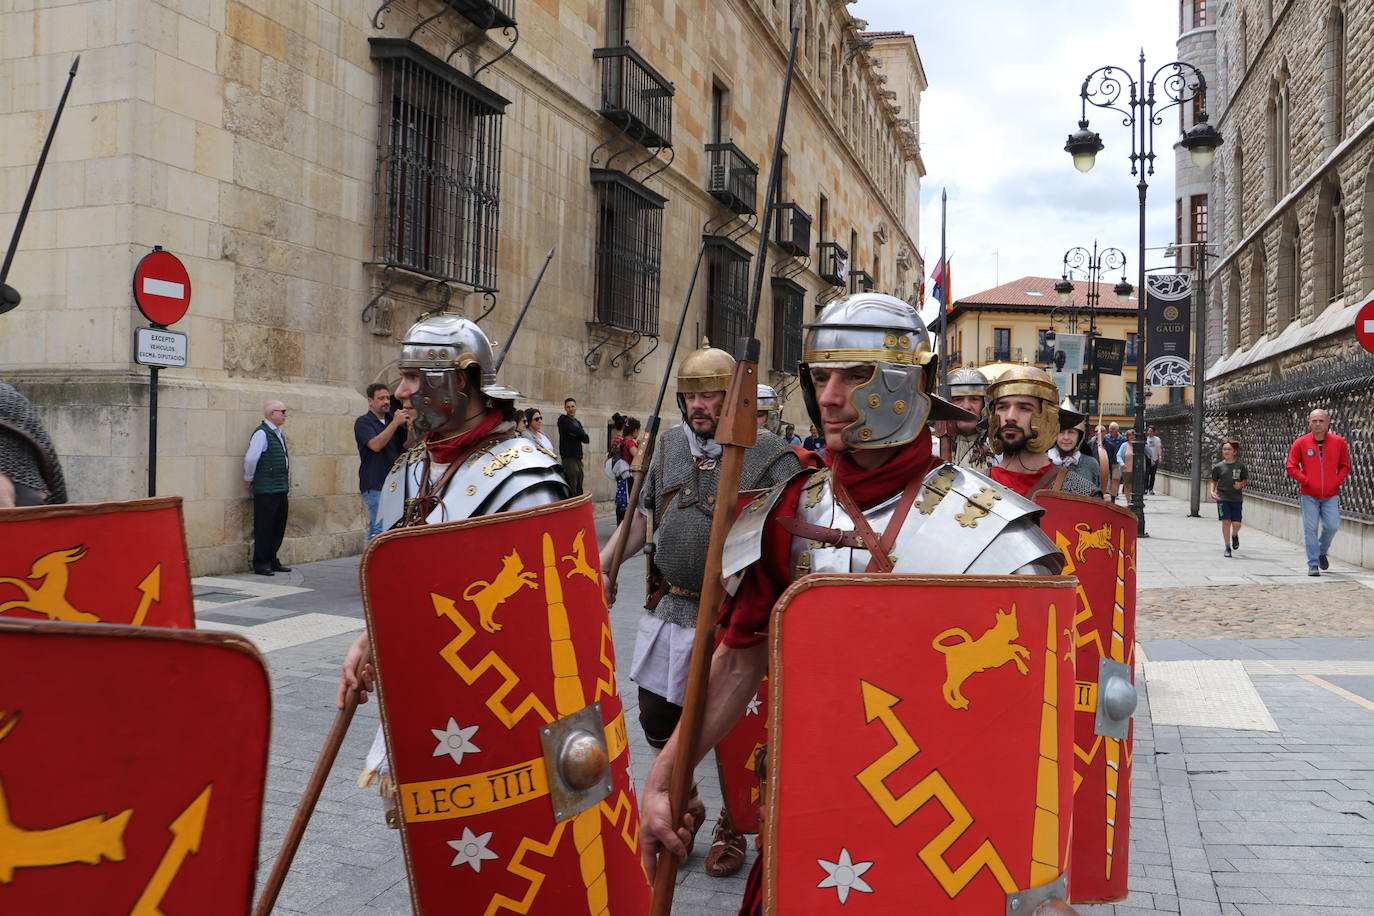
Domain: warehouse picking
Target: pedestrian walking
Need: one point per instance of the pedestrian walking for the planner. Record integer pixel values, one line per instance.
(1319, 462)
(534, 429)
(1154, 456)
(266, 472)
(571, 438)
(380, 436)
(1125, 461)
(626, 451)
(1112, 442)
(1228, 480)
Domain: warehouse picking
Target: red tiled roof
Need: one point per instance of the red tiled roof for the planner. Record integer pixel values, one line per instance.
(1038, 292)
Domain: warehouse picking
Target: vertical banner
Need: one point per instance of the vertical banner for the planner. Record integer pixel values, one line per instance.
(1168, 307)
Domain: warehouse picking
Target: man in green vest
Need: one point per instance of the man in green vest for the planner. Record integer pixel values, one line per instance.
(265, 472)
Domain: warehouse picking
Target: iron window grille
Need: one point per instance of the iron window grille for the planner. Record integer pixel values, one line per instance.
(788, 300)
(437, 183)
(727, 291)
(793, 230)
(833, 263)
(629, 251)
(635, 97)
(734, 178)
(860, 281)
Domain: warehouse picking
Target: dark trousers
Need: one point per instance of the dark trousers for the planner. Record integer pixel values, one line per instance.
(572, 470)
(269, 527)
(1151, 469)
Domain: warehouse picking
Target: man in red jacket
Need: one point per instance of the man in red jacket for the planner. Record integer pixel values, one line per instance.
(1319, 462)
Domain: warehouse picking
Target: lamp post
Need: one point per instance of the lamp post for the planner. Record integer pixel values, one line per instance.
(1177, 82)
(1092, 263)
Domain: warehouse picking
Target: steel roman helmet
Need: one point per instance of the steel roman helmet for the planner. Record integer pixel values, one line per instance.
(965, 381)
(885, 332)
(440, 347)
(769, 402)
(705, 369)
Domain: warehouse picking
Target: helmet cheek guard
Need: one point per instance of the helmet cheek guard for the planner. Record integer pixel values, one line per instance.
(438, 401)
(892, 405)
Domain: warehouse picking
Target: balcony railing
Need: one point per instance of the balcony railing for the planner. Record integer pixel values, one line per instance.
(860, 281)
(1002, 355)
(832, 263)
(635, 97)
(486, 14)
(955, 359)
(793, 230)
(734, 178)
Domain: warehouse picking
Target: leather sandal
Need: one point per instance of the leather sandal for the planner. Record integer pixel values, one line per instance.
(697, 808)
(727, 849)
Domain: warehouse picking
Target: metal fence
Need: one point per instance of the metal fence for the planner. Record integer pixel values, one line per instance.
(733, 178)
(1265, 417)
(635, 96)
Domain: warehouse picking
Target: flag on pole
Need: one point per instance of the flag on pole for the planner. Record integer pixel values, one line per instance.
(940, 284)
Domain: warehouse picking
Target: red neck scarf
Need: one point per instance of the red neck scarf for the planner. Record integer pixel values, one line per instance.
(448, 451)
(1020, 481)
(869, 487)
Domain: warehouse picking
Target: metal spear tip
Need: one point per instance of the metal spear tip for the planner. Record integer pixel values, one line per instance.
(9, 298)
(76, 63)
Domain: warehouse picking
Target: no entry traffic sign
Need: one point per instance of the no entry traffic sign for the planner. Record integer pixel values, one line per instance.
(1364, 326)
(162, 287)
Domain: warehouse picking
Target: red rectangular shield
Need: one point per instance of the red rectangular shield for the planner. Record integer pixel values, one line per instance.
(737, 757)
(132, 762)
(118, 562)
(491, 639)
(922, 742)
(1099, 544)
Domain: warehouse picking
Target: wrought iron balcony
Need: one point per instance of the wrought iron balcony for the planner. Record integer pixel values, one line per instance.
(860, 281)
(832, 263)
(485, 14)
(793, 230)
(734, 178)
(635, 97)
(1002, 355)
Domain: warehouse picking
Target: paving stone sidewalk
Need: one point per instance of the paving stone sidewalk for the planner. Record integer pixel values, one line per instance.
(1224, 821)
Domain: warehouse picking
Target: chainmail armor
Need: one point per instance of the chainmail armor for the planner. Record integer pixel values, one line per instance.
(26, 454)
(682, 528)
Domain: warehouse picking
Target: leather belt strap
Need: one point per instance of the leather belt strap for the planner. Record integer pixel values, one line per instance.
(863, 536)
(1058, 472)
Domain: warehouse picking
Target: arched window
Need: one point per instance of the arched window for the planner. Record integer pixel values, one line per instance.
(1238, 187)
(1367, 261)
(1280, 140)
(1243, 42)
(1257, 296)
(1289, 274)
(1335, 67)
(1233, 305)
(1330, 248)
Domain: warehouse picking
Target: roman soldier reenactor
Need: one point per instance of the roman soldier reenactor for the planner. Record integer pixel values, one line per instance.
(1024, 420)
(885, 504)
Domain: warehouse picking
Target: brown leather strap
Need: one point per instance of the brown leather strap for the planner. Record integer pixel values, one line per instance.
(831, 536)
(1058, 472)
(877, 547)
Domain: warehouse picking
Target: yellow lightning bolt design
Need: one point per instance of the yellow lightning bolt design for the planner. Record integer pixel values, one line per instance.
(605, 687)
(1045, 851)
(517, 867)
(878, 704)
(625, 808)
(445, 607)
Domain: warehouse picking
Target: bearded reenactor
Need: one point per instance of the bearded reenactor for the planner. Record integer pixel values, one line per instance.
(680, 497)
(1024, 420)
(968, 390)
(867, 375)
(465, 416)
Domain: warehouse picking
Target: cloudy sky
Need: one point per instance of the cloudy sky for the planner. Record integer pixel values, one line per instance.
(1004, 79)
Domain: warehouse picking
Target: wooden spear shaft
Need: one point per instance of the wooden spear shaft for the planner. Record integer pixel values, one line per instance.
(296, 831)
(736, 431)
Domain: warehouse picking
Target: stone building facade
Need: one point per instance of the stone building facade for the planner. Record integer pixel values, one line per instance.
(1291, 252)
(330, 172)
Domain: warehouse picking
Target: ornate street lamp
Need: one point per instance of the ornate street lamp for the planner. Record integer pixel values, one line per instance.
(1093, 264)
(1177, 82)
